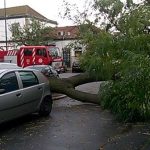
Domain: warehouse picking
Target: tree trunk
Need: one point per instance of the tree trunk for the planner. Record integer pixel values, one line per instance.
(67, 86)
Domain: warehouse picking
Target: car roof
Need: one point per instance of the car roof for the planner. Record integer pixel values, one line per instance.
(3, 63)
(22, 69)
(2, 70)
(37, 66)
(17, 69)
(8, 66)
(5, 70)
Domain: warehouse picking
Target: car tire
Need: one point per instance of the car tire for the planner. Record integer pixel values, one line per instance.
(46, 107)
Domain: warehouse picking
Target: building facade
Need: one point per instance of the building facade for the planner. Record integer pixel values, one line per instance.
(21, 15)
(65, 37)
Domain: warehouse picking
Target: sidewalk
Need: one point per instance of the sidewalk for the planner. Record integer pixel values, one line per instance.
(57, 96)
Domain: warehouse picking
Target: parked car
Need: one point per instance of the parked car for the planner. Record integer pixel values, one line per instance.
(23, 91)
(47, 70)
(4, 65)
(76, 67)
(61, 69)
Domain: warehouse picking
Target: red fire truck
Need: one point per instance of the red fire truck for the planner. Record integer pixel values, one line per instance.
(33, 55)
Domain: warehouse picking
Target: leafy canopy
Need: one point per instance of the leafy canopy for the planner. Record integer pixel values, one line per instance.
(33, 33)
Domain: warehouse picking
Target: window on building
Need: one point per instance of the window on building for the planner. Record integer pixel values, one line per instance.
(69, 33)
(59, 33)
(62, 33)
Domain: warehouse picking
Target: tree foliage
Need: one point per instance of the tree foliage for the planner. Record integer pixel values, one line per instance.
(117, 51)
(32, 33)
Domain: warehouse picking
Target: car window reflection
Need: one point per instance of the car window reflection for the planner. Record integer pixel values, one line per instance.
(28, 78)
(9, 82)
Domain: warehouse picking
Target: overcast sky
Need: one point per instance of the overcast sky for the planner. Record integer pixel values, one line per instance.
(48, 8)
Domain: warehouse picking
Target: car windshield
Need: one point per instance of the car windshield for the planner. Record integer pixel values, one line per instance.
(54, 51)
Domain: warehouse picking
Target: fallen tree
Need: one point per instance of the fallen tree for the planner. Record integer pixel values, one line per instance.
(67, 86)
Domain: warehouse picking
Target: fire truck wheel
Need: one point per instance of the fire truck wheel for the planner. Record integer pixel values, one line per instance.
(46, 106)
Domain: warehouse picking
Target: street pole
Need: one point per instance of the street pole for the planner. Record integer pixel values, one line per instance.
(5, 22)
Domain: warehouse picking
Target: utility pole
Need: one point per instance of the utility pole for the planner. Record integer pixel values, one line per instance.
(5, 22)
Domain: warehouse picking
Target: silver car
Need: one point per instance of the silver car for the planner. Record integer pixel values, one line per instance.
(47, 70)
(23, 91)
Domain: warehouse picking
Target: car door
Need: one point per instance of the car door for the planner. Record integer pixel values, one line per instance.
(32, 90)
(10, 98)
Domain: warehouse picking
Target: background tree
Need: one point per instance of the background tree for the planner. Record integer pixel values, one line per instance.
(33, 33)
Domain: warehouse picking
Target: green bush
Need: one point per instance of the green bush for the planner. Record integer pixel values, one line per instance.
(129, 97)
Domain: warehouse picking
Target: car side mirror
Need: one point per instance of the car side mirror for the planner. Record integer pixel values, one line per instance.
(2, 91)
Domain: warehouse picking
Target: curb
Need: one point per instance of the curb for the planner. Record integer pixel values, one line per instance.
(57, 97)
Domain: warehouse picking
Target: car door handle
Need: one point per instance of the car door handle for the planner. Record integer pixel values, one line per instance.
(18, 94)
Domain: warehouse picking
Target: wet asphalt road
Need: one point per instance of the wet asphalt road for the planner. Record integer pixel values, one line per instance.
(73, 125)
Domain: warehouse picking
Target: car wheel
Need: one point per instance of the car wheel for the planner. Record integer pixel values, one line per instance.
(46, 106)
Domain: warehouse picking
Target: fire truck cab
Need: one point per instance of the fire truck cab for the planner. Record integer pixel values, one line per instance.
(34, 55)
(39, 55)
